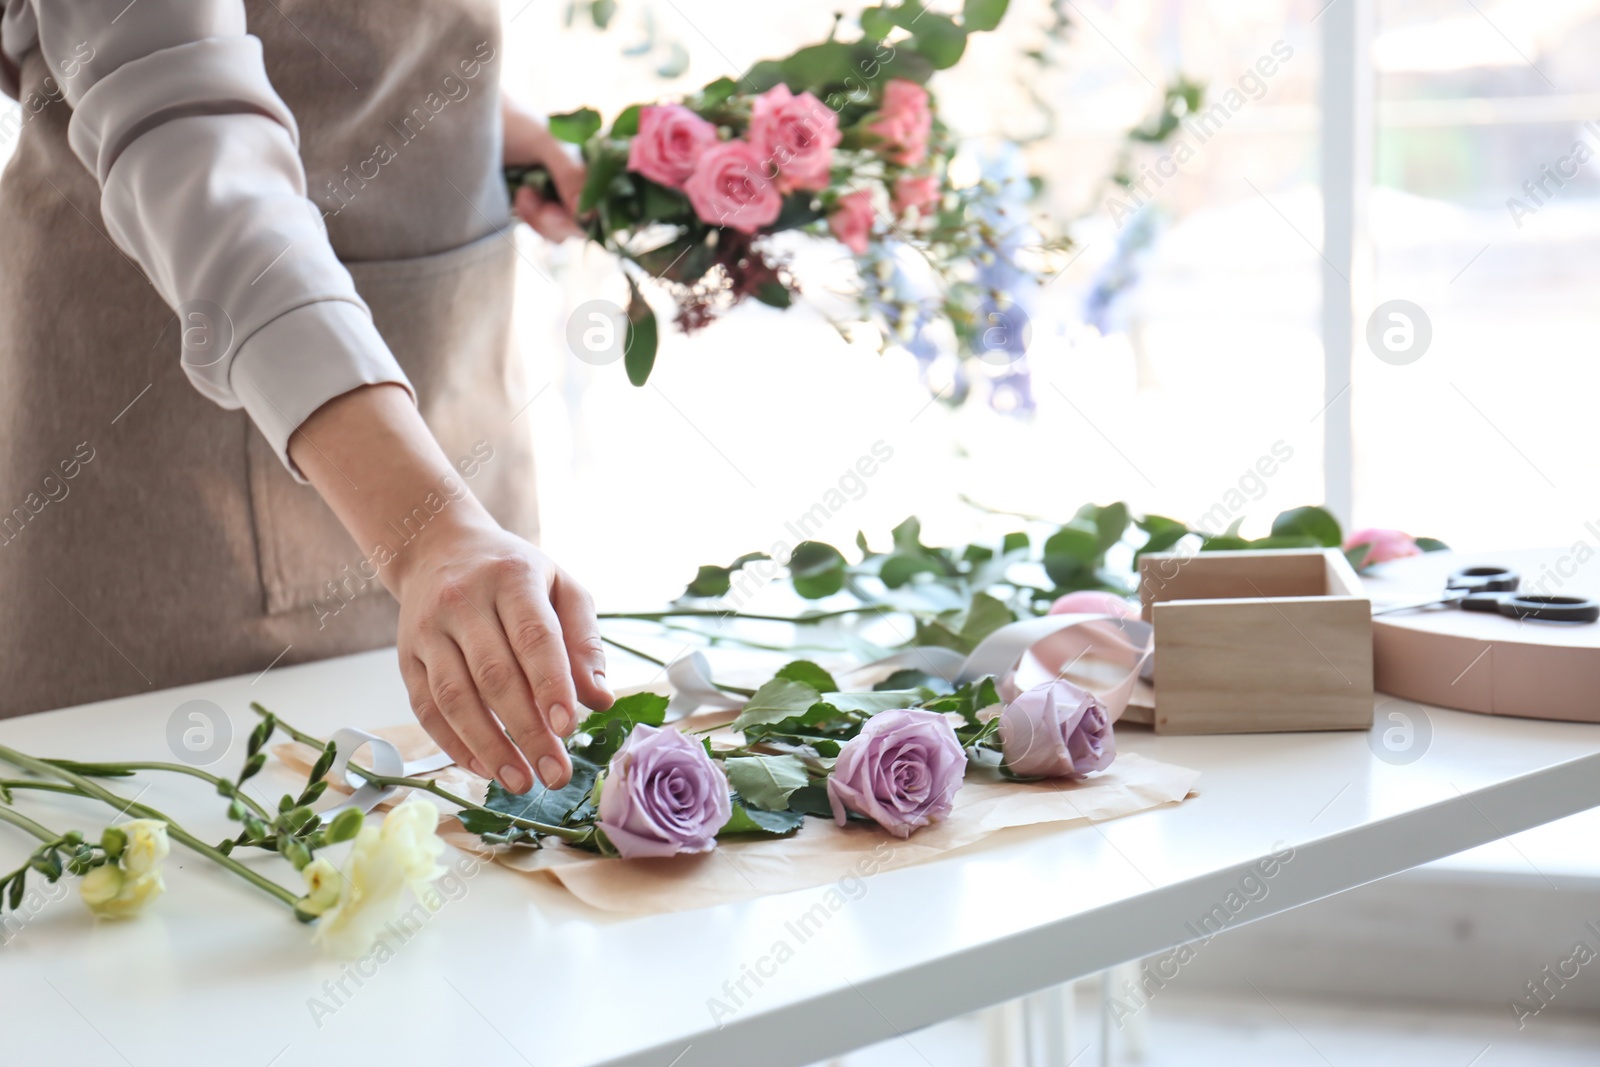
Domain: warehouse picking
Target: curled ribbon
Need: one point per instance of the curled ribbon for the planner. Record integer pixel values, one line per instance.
(692, 688)
(386, 760)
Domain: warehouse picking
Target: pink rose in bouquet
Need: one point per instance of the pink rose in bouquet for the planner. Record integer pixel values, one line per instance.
(901, 771)
(915, 192)
(1056, 730)
(795, 136)
(729, 188)
(1383, 545)
(670, 141)
(904, 122)
(851, 221)
(663, 794)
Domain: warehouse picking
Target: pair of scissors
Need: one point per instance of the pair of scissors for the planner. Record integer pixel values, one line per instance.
(1494, 590)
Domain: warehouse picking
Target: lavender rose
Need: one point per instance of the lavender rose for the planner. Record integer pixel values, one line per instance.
(1056, 730)
(663, 794)
(902, 771)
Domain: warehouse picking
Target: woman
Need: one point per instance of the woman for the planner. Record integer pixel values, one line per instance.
(297, 205)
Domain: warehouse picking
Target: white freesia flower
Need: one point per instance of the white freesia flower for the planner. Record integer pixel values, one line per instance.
(121, 889)
(324, 886)
(384, 862)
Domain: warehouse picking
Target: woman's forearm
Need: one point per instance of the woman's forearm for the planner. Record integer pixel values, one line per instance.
(497, 645)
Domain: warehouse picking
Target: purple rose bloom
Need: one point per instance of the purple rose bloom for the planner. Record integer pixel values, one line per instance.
(1056, 730)
(663, 794)
(901, 771)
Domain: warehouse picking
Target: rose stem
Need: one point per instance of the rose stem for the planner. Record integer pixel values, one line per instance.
(39, 830)
(88, 788)
(566, 833)
(662, 663)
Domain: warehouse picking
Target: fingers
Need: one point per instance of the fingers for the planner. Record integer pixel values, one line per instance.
(503, 680)
(540, 646)
(456, 695)
(581, 633)
(433, 720)
(550, 220)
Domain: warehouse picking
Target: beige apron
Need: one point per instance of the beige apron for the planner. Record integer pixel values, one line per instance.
(149, 538)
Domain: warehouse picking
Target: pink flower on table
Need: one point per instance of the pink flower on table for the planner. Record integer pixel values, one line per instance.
(729, 188)
(915, 192)
(1093, 602)
(1056, 730)
(1383, 545)
(670, 141)
(904, 122)
(901, 771)
(851, 221)
(794, 135)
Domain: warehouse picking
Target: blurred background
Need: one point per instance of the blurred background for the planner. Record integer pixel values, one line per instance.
(1183, 342)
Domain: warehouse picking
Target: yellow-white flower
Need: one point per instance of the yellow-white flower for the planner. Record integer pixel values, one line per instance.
(121, 889)
(384, 862)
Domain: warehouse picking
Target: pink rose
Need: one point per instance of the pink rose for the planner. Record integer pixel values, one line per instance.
(851, 221)
(729, 188)
(904, 122)
(1384, 545)
(1056, 730)
(794, 136)
(670, 141)
(901, 771)
(1093, 602)
(915, 193)
(663, 794)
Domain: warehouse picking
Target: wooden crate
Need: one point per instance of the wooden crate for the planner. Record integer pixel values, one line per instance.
(1258, 641)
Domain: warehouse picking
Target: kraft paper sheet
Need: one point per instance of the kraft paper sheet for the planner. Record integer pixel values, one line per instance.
(818, 853)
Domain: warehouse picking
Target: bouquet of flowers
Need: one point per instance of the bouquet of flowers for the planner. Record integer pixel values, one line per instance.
(840, 138)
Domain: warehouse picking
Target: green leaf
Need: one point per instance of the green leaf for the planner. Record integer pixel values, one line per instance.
(982, 15)
(816, 569)
(1069, 552)
(774, 295)
(605, 163)
(939, 40)
(627, 123)
(747, 820)
(639, 355)
(1357, 556)
(610, 728)
(898, 570)
(812, 800)
(803, 670)
(716, 92)
(911, 678)
(716, 581)
(601, 12)
(983, 617)
(575, 127)
(1163, 534)
(818, 66)
(766, 781)
(875, 701)
(552, 806)
(1432, 544)
(876, 22)
(1311, 522)
(779, 699)
(676, 63)
(1110, 523)
(1014, 542)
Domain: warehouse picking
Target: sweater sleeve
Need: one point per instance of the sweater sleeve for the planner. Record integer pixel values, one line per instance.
(202, 186)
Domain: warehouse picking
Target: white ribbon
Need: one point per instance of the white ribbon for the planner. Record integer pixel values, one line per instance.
(692, 688)
(386, 760)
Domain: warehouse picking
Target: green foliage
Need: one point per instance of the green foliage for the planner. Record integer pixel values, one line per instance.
(716, 581)
(639, 353)
(766, 782)
(808, 673)
(816, 569)
(607, 730)
(753, 820)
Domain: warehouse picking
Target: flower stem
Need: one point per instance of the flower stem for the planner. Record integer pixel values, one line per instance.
(86, 787)
(426, 785)
(193, 772)
(16, 818)
(662, 663)
(676, 613)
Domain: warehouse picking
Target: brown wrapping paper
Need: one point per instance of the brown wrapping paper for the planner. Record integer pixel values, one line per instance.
(820, 852)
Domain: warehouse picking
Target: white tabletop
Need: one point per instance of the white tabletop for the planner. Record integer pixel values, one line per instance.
(515, 971)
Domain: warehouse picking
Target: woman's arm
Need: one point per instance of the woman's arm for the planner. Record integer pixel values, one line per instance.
(487, 621)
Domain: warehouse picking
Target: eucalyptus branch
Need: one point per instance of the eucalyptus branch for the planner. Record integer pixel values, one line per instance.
(89, 788)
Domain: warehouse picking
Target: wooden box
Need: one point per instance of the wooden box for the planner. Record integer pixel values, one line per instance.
(1257, 641)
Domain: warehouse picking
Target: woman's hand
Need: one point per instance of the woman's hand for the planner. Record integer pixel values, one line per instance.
(495, 644)
(528, 141)
(498, 647)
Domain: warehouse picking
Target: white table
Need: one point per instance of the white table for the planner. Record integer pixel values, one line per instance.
(515, 971)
